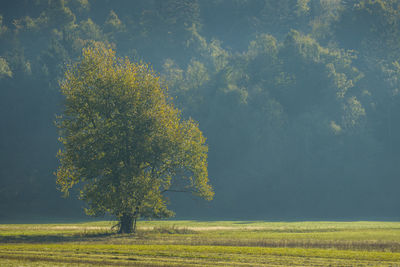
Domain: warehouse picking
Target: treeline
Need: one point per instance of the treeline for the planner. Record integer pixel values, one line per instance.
(299, 99)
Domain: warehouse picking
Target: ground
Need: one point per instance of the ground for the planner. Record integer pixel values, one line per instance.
(190, 243)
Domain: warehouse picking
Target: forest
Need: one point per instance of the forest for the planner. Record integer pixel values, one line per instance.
(299, 100)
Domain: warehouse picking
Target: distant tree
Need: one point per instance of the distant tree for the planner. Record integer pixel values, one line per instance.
(370, 27)
(125, 142)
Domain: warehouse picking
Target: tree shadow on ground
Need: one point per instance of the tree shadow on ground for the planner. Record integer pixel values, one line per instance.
(56, 238)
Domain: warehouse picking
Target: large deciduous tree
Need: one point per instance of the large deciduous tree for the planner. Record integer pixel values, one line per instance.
(124, 142)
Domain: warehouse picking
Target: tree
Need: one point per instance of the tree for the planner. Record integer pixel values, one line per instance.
(370, 27)
(124, 141)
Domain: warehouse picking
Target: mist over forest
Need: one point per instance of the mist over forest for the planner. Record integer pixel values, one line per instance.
(299, 100)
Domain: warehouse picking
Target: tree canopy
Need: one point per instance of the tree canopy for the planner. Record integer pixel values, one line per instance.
(299, 100)
(124, 141)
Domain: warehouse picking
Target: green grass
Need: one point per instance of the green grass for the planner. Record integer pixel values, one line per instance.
(189, 243)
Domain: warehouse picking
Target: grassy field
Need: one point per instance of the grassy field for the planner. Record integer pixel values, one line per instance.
(216, 243)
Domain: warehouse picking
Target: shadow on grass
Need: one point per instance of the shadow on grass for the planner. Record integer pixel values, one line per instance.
(90, 236)
(57, 238)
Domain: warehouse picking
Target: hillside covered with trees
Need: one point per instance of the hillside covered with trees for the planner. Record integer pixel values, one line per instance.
(299, 100)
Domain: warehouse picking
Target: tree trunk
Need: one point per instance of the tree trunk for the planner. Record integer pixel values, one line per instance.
(126, 224)
(134, 224)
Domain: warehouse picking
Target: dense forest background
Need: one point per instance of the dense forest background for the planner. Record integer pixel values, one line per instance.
(299, 100)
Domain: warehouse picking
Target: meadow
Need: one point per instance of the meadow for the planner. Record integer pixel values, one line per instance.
(202, 243)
